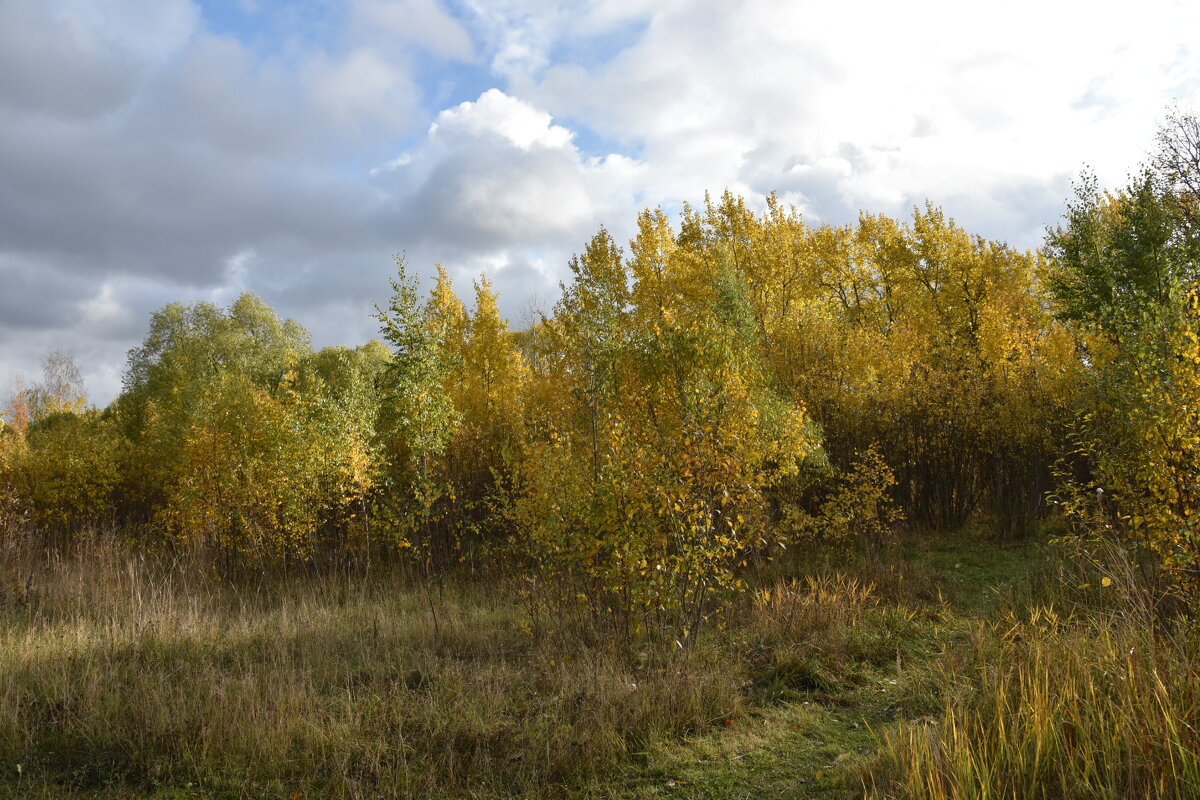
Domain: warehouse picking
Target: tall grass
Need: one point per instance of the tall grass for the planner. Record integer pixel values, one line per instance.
(1095, 696)
(830, 632)
(129, 675)
(119, 672)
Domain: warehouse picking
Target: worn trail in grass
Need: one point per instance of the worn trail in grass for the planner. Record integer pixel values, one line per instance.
(815, 738)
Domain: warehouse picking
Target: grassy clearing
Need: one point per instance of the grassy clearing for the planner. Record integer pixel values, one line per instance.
(120, 675)
(898, 673)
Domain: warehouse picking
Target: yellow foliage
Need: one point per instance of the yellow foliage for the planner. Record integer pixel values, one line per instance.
(1140, 437)
(918, 338)
(243, 480)
(858, 508)
(644, 487)
(63, 474)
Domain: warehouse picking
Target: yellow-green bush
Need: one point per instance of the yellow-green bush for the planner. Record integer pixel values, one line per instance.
(1124, 273)
(645, 483)
(64, 473)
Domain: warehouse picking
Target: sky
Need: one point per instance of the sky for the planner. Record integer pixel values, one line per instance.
(191, 150)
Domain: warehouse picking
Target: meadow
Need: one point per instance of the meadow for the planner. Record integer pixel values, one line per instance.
(940, 667)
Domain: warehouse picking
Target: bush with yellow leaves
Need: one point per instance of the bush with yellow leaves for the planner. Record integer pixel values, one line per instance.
(1126, 268)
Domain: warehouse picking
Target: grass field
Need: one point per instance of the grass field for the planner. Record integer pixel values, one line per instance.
(946, 667)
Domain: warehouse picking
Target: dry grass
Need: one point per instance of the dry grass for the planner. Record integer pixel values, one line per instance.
(122, 673)
(978, 673)
(1097, 696)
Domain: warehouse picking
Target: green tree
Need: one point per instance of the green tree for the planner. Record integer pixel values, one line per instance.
(1126, 268)
(420, 416)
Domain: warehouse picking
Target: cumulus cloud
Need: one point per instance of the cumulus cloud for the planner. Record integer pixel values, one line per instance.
(141, 152)
(147, 157)
(498, 186)
(937, 99)
(495, 113)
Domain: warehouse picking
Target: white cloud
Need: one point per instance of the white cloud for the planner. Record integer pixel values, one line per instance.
(104, 307)
(144, 158)
(498, 186)
(422, 22)
(402, 160)
(936, 98)
(523, 37)
(362, 87)
(497, 113)
(499, 173)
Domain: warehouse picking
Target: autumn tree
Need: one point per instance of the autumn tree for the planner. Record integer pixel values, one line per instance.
(916, 341)
(1126, 269)
(488, 395)
(60, 463)
(168, 376)
(246, 442)
(343, 391)
(645, 480)
(420, 417)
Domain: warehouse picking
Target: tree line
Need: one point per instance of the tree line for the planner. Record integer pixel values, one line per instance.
(724, 388)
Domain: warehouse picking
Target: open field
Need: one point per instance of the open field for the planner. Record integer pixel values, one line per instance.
(940, 668)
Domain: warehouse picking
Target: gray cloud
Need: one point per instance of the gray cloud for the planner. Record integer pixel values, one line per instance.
(58, 75)
(78, 60)
(145, 159)
(492, 197)
(36, 296)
